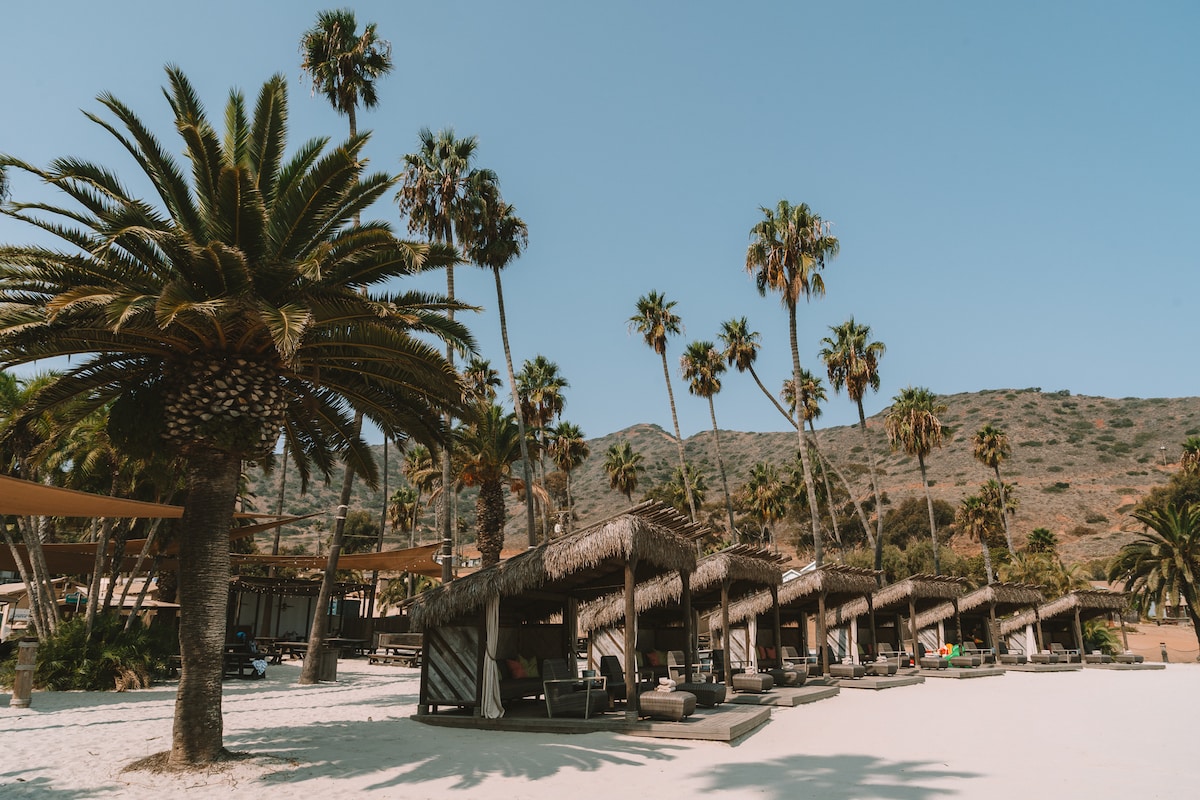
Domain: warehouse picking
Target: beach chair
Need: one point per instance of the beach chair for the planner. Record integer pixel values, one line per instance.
(568, 694)
(1064, 654)
(610, 668)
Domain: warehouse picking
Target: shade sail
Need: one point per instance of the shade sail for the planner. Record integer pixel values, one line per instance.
(30, 499)
(418, 560)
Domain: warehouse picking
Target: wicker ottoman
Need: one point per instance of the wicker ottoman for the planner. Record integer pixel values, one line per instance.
(847, 670)
(1129, 658)
(708, 695)
(789, 677)
(752, 682)
(1012, 658)
(882, 669)
(1097, 658)
(934, 662)
(966, 661)
(672, 706)
(1044, 658)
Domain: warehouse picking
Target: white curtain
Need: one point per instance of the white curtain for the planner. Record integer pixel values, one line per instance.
(752, 642)
(492, 708)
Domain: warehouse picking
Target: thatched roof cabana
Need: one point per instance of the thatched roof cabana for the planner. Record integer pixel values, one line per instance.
(545, 584)
(1075, 607)
(1003, 598)
(840, 584)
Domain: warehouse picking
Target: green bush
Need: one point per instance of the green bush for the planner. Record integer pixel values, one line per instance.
(112, 658)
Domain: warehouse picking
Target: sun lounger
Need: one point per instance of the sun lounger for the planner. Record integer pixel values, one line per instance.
(881, 669)
(1128, 658)
(568, 694)
(1044, 657)
(1097, 658)
(1064, 654)
(1013, 655)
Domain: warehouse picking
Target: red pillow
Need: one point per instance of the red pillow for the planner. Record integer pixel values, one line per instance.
(652, 657)
(516, 668)
(770, 652)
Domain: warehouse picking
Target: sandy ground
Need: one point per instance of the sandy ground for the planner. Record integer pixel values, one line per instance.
(1091, 734)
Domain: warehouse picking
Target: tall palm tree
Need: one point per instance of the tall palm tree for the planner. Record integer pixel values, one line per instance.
(1000, 498)
(1189, 459)
(623, 467)
(488, 447)
(440, 195)
(540, 392)
(812, 394)
(480, 380)
(702, 366)
(1164, 562)
(498, 237)
(655, 321)
(422, 475)
(990, 447)
(741, 351)
(343, 65)
(788, 250)
(247, 303)
(568, 449)
(913, 425)
(852, 362)
(766, 496)
(975, 517)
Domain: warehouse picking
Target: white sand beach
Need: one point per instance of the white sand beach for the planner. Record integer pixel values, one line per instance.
(1093, 733)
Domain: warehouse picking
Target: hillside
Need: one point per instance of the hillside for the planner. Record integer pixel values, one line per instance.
(1079, 462)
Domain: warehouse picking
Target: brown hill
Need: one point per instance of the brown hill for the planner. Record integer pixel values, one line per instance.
(1079, 462)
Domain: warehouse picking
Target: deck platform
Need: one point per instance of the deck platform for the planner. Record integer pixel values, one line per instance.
(785, 696)
(1141, 666)
(964, 672)
(1042, 667)
(725, 723)
(881, 682)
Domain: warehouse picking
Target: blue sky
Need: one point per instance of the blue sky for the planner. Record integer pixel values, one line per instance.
(1014, 185)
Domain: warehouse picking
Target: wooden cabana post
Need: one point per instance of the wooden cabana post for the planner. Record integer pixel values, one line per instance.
(822, 634)
(631, 699)
(776, 627)
(689, 633)
(726, 634)
(1079, 634)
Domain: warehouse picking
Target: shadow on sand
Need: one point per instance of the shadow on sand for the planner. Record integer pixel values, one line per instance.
(841, 777)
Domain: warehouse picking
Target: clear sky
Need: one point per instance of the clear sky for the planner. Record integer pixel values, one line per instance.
(1015, 185)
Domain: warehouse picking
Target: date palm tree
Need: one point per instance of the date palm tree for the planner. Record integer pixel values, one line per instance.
(1164, 562)
(655, 321)
(913, 424)
(1189, 459)
(975, 517)
(568, 449)
(244, 304)
(702, 366)
(624, 468)
(540, 392)
(766, 495)
(488, 447)
(852, 363)
(440, 195)
(498, 237)
(423, 476)
(990, 447)
(480, 380)
(788, 250)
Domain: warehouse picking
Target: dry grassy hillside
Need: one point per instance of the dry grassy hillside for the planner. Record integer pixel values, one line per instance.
(1080, 462)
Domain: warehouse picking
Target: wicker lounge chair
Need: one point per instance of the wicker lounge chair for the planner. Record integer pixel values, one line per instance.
(881, 669)
(566, 694)
(610, 668)
(1044, 657)
(1128, 658)
(1012, 655)
(1097, 658)
(1064, 654)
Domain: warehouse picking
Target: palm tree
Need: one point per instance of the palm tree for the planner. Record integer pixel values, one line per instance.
(990, 446)
(440, 195)
(422, 475)
(488, 447)
(852, 362)
(702, 366)
(623, 466)
(246, 305)
(682, 485)
(1164, 562)
(741, 351)
(913, 425)
(343, 66)
(1042, 540)
(812, 394)
(655, 321)
(1189, 459)
(766, 496)
(974, 517)
(498, 238)
(540, 395)
(788, 249)
(1000, 498)
(568, 450)
(480, 380)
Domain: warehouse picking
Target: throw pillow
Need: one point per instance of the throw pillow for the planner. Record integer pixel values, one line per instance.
(516, 667)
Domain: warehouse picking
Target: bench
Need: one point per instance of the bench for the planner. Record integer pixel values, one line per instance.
(398, 648)
(240, 665)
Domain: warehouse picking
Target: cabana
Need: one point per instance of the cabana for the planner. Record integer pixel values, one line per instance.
(979, 611)
(525, 609)
(915, 594)
(812, 592)
(1064, 617)
(666, 606)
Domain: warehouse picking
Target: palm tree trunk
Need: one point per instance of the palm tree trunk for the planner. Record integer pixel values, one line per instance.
(526, 472)
(447, 468)
(687, 486)
(862, 422)
(932, 522)
(987, 558)
(310, 672)
(837, 536)
(712, 412)
(36, 618)
(818, 544)
(212, 481)
(771, 397)
(1004, 512)
(98, 566)
(115, 565)
(41, 572)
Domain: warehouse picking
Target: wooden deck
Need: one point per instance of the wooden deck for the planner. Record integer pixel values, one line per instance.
(725, 723)
(1143, 665)
(785, 696)
(881, 682)
(1042, 667)
(964, 672)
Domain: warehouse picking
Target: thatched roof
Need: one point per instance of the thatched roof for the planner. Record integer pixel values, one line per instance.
(1007, 597)
(800, 593)
(747, 569)
(925, 590)
(585, 564)
(1090, 602)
